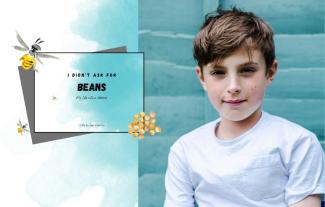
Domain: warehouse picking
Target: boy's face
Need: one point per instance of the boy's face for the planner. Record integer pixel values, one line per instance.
(235, 85)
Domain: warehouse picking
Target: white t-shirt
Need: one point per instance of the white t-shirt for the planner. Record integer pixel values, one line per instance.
(275, 163)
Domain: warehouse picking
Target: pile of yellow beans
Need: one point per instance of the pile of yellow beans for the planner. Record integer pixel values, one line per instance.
(143, 124)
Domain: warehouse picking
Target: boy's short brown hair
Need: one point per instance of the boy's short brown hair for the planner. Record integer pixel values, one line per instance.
(224, 31)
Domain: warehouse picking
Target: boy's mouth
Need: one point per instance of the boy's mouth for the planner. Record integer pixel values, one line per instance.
(234, 102)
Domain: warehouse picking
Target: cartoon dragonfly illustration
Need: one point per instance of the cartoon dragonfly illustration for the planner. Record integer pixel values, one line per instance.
(29, 59)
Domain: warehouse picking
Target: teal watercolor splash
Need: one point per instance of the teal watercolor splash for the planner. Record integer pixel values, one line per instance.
(114, 24)
(108, 160)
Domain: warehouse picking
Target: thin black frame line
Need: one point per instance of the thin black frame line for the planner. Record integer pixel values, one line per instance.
(92, 52)
(143, 88)
(81, 132)
(143, 82)
(34, 103)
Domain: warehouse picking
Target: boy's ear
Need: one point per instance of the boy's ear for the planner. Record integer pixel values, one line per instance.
(199, 73)
(272, 72)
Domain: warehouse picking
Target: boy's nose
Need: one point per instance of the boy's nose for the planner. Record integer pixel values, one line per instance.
(233, 86)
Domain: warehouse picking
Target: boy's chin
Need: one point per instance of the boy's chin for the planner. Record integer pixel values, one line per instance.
(236, 116)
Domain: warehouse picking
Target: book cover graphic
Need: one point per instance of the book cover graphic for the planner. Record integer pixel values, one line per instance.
(88, 92)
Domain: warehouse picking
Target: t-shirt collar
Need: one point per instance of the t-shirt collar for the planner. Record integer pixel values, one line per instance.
(238, 138)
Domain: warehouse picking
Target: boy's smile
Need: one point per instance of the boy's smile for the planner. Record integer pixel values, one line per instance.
(236, 84)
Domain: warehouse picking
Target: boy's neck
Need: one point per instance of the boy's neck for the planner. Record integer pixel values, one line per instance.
(230, 129)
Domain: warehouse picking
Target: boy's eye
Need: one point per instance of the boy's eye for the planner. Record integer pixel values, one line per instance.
(218, 72)
(247, 70)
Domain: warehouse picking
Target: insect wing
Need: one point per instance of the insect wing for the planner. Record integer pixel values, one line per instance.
(20, 48)
(19, 124)
(21, 41)
(43, 55)
(38, 59)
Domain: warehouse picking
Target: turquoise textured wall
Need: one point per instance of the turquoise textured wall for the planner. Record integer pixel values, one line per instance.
(166, 31)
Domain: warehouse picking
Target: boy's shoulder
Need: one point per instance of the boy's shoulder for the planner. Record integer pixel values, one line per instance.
(281, 125)
(288, 134)
(198, 135)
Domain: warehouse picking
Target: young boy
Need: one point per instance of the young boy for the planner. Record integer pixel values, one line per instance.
(247, 157)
